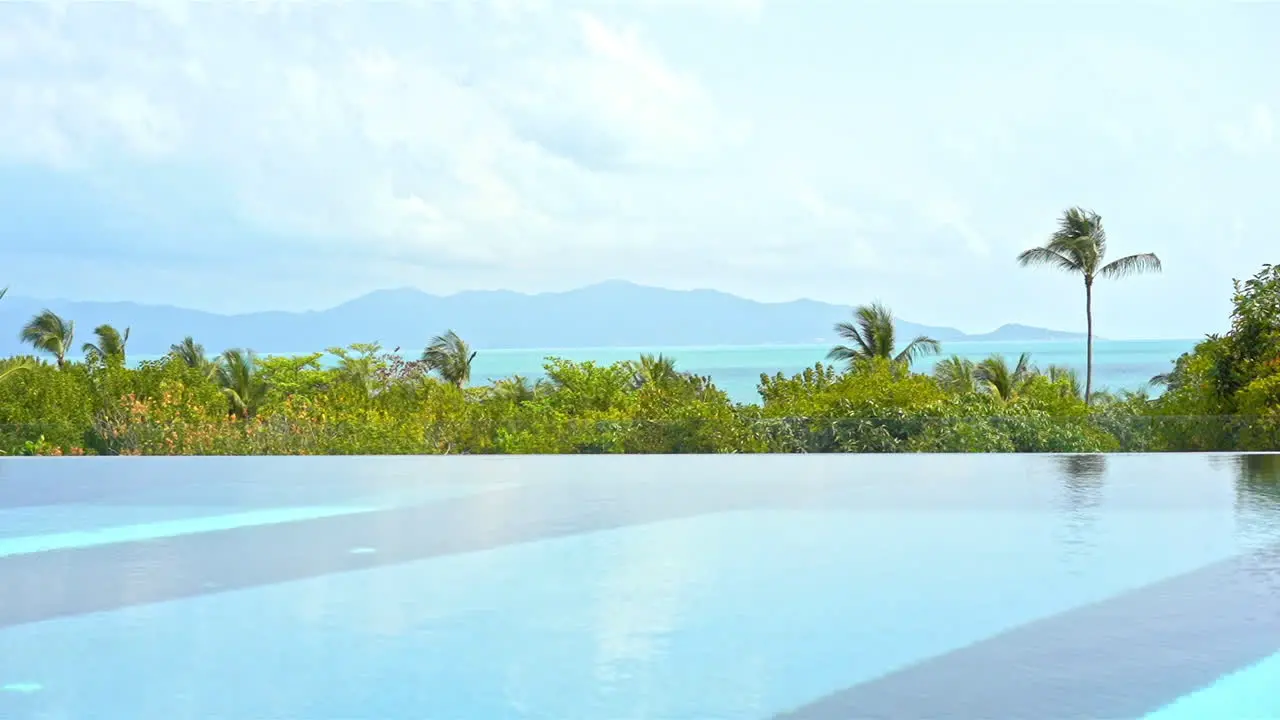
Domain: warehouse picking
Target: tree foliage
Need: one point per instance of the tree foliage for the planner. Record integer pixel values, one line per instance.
(1225, 394)
(1235, 375)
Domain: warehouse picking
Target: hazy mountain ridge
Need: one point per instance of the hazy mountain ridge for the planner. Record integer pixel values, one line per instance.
(609, 314)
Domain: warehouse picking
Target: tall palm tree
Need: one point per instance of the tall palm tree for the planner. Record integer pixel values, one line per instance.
(450, 357)
(238, 377)
(192, 354)
(49, 333)
(995, 374)
(871, 335)
(110, 347)
(955, 374)
(1079, 246)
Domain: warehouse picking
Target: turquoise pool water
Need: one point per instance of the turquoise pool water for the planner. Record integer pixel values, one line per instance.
(660, 587)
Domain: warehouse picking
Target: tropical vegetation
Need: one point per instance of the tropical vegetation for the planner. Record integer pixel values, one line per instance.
(361, 399)
(1079, 247)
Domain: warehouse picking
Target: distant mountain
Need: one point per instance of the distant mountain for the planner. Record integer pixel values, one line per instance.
(610, 314)
(1025, 333)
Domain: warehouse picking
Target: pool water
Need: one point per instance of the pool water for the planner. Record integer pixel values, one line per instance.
(641, 587)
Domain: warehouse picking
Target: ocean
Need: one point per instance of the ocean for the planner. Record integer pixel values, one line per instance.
(1118, 364)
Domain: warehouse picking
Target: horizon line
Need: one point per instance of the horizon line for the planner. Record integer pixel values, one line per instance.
(626, 348)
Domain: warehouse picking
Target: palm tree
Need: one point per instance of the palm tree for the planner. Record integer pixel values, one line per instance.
(110, 347)
(1006, 382)
(955, 374)
(871, 335)
(450, 357)
(237, 375)
(192, 354)
(518, 390)
(1079, 246)
(9, 366)
(1067, 377)
(654, 370)
(49, 333)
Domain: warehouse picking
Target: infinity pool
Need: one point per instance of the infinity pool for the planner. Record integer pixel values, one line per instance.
(641, 587)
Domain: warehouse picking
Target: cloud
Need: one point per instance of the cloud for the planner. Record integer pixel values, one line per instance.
(843, 151)
(351, 133)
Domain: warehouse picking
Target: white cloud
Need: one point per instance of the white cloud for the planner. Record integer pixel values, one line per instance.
(781, 149)
(356, 135)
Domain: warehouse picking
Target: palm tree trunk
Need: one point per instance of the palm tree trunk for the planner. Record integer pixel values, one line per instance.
(1088, 315)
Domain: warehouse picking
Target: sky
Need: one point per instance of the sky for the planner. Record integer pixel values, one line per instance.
(239, 156)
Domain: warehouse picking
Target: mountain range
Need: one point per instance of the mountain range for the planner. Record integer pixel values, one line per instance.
(608, 314)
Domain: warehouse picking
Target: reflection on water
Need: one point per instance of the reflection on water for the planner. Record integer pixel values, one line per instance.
(645, 586)
(1259, 480)
(1083, 480)
(1258, 498)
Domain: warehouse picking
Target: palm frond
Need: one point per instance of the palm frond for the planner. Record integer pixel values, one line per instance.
(516, 389)
(1004, 381)
(49, 333)
(844, 353)
(1023, 368)
(1043, 256)
(1078, 227)
(994, 375)
(876, 322)
(918, 348)
(955, 374)
(872, 335)
(855, 335)
(1067, 378)
(654, 370)
(190, 352)
(9, 366)
(237, 375)
(1077, 246)
(110, 346)
(450, 357)
(1131, 265)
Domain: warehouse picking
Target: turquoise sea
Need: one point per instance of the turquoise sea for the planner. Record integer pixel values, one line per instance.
(1118, 364)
